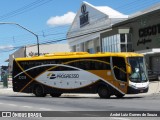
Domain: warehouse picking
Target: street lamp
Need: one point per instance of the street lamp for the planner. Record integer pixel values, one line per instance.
(26, 30)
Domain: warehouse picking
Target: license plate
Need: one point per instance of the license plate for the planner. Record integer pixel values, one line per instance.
(141, 90)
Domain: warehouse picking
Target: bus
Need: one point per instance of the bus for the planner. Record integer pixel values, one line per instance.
(80, 72)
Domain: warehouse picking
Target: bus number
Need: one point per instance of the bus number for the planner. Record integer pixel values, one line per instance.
(22, 77)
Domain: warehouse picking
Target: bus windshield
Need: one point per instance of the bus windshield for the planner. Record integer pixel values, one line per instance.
(139, 73)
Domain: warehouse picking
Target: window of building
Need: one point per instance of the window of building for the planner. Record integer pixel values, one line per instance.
(122, 37)
(123, 48)
(91, 50)
(111, 44)
(117, 43)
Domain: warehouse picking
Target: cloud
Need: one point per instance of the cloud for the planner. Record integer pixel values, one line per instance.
(61, 20)
(6, 47)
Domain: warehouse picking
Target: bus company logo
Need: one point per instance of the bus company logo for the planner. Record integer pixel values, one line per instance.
(61, 75)
(51, 76)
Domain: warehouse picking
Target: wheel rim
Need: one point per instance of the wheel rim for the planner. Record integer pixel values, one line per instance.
(103, 92)
(39, 91)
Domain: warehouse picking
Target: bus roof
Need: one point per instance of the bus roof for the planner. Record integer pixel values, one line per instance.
(65, 55)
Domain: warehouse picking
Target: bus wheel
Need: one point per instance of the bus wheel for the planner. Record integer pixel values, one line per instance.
(55, 94)
(103, 92)
(38, 91)
(119, 95)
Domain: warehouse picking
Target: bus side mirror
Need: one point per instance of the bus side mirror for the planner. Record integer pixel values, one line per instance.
(129, 70)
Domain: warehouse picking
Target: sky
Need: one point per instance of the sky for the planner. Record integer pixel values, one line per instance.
(49, 19)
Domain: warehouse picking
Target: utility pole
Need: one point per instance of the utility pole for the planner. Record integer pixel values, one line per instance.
(12, 23)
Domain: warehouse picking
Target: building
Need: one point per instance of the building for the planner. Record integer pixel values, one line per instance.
(90, 21)
(143, 35)
(29, 51)
(103, 29)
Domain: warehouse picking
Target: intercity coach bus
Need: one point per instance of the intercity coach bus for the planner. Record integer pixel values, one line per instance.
(80, 72)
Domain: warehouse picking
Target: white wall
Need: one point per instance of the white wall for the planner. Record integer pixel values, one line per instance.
(99, 18)
(47, 48)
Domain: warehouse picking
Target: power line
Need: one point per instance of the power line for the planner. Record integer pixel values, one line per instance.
(72, 31)
(55, 29)
(128, 4)
(143, 5)
(59, 40)
(20, 9)
(24, 9)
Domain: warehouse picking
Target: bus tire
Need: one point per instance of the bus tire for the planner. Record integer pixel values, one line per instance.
(119, 95)
(55, 94)
(38, 91)
(103, 92)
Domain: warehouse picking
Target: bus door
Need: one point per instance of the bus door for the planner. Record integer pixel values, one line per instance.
(119, 72)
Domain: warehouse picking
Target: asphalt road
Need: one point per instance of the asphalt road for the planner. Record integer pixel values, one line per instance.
(74, 103)
(10, 101)
(71, 103)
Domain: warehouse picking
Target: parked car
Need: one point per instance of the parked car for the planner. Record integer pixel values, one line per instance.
(153, 75)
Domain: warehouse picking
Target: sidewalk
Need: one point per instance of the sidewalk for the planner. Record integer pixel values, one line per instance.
(154, 88)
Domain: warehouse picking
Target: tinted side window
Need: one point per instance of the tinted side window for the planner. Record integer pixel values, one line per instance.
(92, 64)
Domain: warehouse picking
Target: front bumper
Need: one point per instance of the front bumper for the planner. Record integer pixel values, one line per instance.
(132, 90)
